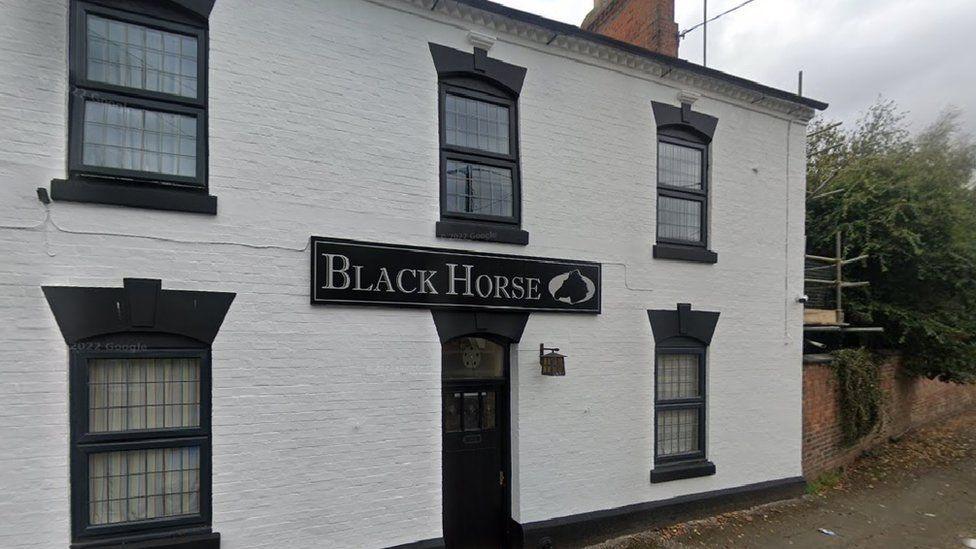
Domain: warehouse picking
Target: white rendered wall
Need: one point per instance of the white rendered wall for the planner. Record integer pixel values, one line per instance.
(323, 121)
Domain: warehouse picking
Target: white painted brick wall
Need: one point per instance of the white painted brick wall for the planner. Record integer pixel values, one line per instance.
(326, 419)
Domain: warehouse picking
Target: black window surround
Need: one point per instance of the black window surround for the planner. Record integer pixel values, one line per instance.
(673, 466)
(138, 320)
(85, 442)
(477, 77)
(682, 331)
(132, 187)
(682, 127)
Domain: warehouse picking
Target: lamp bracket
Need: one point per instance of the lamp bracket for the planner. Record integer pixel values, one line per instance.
(543, 349)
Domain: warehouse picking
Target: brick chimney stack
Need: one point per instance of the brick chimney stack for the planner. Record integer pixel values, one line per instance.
(646, 23)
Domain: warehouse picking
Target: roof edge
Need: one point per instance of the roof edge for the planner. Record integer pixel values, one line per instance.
(559, 28)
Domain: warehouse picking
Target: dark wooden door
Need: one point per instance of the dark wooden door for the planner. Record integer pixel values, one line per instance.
(474, 448)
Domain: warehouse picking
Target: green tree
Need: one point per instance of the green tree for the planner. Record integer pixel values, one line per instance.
(907, 201)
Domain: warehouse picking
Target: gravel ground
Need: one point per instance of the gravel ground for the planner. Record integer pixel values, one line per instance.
(917, 492)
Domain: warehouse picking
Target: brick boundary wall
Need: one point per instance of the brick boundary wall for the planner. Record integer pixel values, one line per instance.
(907, 403)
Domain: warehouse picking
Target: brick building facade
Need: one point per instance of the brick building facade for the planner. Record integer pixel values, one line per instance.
(186, 189)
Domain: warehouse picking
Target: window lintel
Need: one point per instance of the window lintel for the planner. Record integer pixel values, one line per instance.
(450, 62)
(683, 323)
(683, 122)
(140, 305)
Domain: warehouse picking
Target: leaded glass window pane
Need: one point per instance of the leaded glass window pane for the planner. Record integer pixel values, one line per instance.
(136, 394)
(134, 485)
(679, 166)
(469, 411)
(479, 189)
(679, 219)
(476, 124)
(677, 377)
(488, 410)
(472, 412)
(132, 138)
(135, 56)
(677, 432)
(452, 412)
(473, 358)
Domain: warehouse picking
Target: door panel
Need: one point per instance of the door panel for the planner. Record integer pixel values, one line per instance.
(472, 461)
(474, 445)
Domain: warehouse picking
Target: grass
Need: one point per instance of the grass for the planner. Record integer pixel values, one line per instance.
(826, 481)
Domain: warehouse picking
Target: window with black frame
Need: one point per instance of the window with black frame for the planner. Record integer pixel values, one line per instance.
(480, 162)
(680, 413)
(682, 337)
(140, 412)
(137, 107)
(479, 156)
(679, 405)
(140, 440)
(683, 186)
(480, 193)
(682, 201)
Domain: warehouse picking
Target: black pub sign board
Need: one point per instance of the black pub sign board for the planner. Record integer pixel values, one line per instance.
(365, 273)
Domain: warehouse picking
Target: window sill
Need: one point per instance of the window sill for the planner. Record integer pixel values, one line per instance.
(187, 541)
(134, 195)
(678, 471)
(485, 232)
(684, 253)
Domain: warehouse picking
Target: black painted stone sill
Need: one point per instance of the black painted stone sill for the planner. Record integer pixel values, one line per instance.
(134, 195)
(210, 540)
(680, 471)
(484, 232)
(684, 253)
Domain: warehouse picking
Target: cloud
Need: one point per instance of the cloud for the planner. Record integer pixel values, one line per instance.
(851, 51)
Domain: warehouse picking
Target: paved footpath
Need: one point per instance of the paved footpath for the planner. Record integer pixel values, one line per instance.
(917, 493)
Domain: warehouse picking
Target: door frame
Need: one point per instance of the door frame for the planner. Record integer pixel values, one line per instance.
(504, 409)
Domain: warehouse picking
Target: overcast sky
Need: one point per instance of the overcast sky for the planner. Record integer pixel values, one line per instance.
(921, 53)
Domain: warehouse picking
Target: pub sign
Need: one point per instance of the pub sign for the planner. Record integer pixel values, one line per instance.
(366, 273)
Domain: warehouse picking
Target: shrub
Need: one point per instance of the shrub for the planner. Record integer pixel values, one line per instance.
(908, 202)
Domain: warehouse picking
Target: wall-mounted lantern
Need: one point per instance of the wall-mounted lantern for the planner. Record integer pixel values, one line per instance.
(553, 363)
